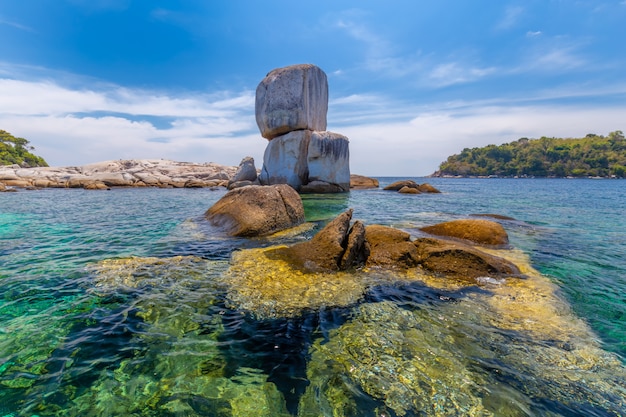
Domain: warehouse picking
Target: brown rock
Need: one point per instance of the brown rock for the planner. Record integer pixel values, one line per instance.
(360, 182)
(460, 261)
(427, 188)
(325, 250)
(482, 232)
(357, 249)
(96, 185)
(398, 185)
(257, 210)
(409, 190)
(320, 187)
(389, 247)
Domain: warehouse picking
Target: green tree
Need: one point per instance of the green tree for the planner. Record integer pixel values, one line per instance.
(14, 150)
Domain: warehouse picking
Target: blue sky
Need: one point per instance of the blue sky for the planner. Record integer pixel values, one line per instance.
(410, 82)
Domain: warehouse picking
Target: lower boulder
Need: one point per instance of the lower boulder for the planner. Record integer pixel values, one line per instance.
(257, 210)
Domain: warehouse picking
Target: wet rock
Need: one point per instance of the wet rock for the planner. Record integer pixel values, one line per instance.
(320, 187)
(292, 98)
(405, 186)
(409, 190)
(389, 247)
(257, 210)
(482, 232)
(398, 185)
(460, 261)
(325, 250)
(359, 182)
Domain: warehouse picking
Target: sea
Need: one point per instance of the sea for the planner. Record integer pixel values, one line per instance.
(127, 302)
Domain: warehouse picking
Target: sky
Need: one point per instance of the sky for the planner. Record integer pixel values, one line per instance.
(410, 82)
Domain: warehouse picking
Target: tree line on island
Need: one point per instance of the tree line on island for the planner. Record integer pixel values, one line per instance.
(18, 151)
(591, 156)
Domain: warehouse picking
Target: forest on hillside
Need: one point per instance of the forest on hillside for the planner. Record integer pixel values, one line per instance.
(591, 156)
(18, 151)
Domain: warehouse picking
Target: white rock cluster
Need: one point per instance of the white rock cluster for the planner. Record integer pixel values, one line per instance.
(291, 106)
(119, 173)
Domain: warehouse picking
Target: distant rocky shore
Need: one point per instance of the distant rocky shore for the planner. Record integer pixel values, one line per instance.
(162, 173)
(119, 173)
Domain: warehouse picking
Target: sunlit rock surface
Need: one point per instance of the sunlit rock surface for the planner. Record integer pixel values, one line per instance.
(292, 98)
(257, 210)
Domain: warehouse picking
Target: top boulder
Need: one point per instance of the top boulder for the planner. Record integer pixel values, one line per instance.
(292, 98)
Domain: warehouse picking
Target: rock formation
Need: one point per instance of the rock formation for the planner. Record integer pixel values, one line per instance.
(290, 109)
(120, 173)
(411, 187)
(257, 211)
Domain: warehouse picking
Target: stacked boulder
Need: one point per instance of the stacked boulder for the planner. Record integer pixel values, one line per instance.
(290, 109)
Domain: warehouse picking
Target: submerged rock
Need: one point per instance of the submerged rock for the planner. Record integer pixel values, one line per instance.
(257, 210)
(482, 232)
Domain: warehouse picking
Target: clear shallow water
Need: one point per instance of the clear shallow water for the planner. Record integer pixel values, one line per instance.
(83, 333)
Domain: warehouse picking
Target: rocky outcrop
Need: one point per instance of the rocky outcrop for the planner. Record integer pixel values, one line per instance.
(360, 182)
(291, 106)
(335, 247)
(246, 174)
(120, 173)
(292, 98)
(389, 247)
(482, 232)
(257, 210)
(460, 261)
(411, 187)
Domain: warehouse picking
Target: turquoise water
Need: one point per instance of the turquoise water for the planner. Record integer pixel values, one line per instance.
(116, 303)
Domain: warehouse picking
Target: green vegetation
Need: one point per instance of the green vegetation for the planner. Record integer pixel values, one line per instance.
(591, 156)
(17, 151)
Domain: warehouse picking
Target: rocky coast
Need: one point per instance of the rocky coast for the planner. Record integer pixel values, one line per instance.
(119, 173)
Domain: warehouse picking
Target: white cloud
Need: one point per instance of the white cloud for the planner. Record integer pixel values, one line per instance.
(416, 147)
(15, 25)
(511, 17)
(78, 126)
(456, 73)
(532, 34)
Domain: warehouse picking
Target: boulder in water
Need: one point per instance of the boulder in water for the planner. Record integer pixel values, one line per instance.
(257, 210)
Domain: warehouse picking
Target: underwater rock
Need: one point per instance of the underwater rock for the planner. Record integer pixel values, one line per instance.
(482, 232)
(257, 210)
(111, 275)
(461, 261)
(267, 284)
(389, 353)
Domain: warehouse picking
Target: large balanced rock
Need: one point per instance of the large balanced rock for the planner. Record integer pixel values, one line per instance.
(328, 159)
(482, 232)
(257, 210)
(285, 160)
(292, 98)
(290, 109)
